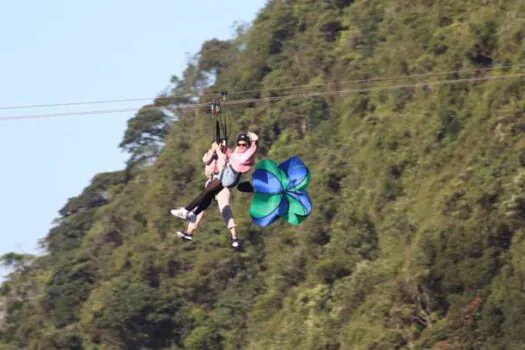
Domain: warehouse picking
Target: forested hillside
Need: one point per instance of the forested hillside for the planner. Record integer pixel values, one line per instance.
(416, 239)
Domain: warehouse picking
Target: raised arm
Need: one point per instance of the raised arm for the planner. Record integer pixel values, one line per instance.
(246, 158)
(207, 158)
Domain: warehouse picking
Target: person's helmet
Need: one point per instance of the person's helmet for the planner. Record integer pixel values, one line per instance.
(244, 137)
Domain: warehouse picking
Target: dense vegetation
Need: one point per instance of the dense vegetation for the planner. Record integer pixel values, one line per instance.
(417, 233)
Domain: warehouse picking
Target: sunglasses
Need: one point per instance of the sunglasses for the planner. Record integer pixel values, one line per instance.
(241, 144)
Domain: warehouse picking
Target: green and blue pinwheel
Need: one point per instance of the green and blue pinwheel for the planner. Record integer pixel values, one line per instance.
(280, 191)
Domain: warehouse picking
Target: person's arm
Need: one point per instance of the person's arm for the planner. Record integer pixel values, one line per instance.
(253, 137)
(246, 158)
(208, 156)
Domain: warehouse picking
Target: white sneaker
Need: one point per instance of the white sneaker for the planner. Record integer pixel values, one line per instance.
(184, 214)
(180, 213)
(235, 243)
(184, 235)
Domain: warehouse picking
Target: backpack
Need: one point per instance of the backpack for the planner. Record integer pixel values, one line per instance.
(229, 177)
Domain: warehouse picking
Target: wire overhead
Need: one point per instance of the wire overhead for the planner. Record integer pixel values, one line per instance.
(344, 82)
(270, 99)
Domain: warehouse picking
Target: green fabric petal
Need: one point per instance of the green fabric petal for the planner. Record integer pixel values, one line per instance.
(303, 184)
(297, 212)
(294, 219)
(263, 204)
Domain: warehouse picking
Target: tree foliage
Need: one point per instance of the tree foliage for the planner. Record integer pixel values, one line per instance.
(416, 240)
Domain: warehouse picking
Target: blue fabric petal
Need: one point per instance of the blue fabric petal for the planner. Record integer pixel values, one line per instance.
(268, 219)
(268, 178)
(266, 182)
(283, 206)
(297, 172)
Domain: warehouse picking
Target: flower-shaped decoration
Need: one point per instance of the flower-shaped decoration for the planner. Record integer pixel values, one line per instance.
(280, 191)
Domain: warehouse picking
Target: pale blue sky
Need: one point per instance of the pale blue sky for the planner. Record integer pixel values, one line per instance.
(59, 51)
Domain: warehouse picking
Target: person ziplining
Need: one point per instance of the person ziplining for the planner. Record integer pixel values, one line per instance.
(224, 169)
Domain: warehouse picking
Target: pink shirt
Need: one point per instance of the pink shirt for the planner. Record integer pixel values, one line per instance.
(214, 165)
(242, 162)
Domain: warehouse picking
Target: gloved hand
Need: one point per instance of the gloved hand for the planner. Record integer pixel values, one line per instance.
(253, 136)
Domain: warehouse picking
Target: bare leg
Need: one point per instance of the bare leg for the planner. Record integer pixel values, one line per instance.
(193, 226)
(223, 200)
(188, 234)
(233, 232)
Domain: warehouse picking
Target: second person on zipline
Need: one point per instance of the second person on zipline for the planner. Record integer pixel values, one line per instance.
(215, 159)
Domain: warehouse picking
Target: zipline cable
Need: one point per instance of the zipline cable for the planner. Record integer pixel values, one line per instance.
(344, 82)
(277, 98)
